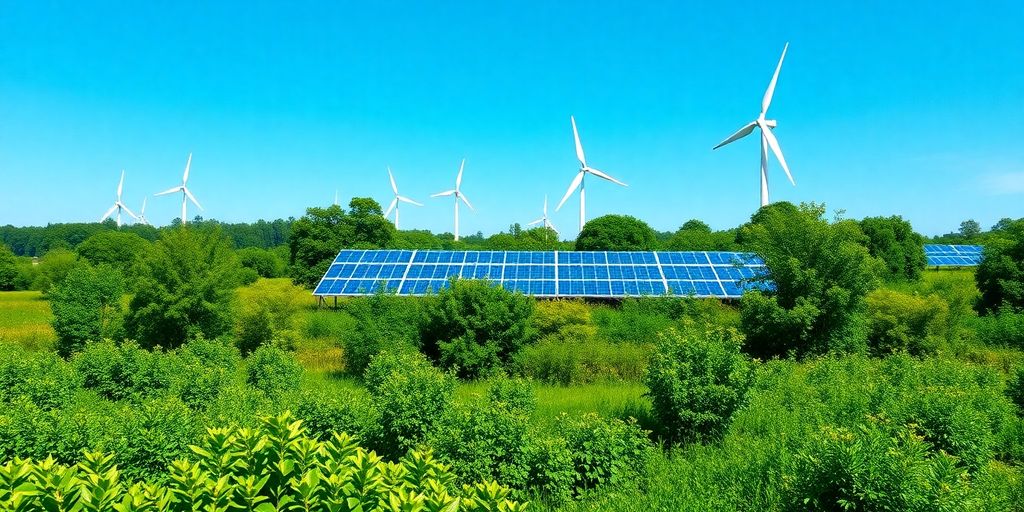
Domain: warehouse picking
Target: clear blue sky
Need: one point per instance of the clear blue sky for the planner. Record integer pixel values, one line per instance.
(911, 108)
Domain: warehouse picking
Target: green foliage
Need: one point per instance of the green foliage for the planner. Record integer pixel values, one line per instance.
(1003, 329)
(900, 322)
(566, 360)
(695, 235)
(697, 380)
(118, 249)
(476, 328)
(317, 236)
(1015, 389)
(875, 466)
(604, 451)
(323, 413)
(118, 372)
(54, 266)
(893, 240)
(273, 467)
(1000, 276)
(273, 371)
(41, 378)
(185, 289)
(820, 273)
(553, 317)
(410, 394)
(8, 268)
(384, 323)
(266, 263)
(616, 233)
(86, 307)
(268, 314)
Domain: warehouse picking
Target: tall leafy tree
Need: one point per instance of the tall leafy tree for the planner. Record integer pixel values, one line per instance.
(186, 287)
(893, 240)
(616, 233)
(8, 268)
(695, 235)
(819, 273)
(318, 235)
(119, 249)
(1000, 276)
(86, 306)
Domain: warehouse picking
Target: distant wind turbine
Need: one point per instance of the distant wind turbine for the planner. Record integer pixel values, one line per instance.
(545, 221)
(768, 139)
(457, 192)
(186, 195)
(141, 218)
(118, 205)
(577, 182)
(335, 197)
(399, 199)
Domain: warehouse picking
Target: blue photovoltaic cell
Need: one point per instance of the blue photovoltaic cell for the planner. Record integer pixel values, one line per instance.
(953, 255)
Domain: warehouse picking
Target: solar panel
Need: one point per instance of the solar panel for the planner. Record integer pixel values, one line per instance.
(953, 255)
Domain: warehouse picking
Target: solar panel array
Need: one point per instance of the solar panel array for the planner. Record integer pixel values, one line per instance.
(953, 255)
(543, 274)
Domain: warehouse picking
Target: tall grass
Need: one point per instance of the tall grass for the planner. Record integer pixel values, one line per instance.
(25, 320)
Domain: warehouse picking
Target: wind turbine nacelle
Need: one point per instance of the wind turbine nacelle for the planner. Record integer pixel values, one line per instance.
(771, 123)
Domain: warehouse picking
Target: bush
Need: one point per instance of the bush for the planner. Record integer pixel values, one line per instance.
(205, 368)
(8, 269)
(1015, 389)
(893, 240)
(273, 371)
(616, 233)
(54, 266)
(264, 262)
(86, 307)
(324, 414)
(583, 360)
(604, 451)
(1003, 329)
(43, 379)
(383, 323)
(476, 328)
(697, 380)
(118, 249)
(1000, 275)
(876, 466)
(551, 317)
(185, 289)
(903, 322)
(118, 372)
(410, 394)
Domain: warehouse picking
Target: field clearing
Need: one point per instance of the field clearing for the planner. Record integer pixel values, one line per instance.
(25, 319)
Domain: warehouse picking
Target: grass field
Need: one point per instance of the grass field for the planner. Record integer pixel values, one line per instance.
(25, 319)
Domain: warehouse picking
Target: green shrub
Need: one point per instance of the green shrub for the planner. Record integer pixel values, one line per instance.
(151, 435)
(118, 249)
(517, 394)
(1000, 275)
(476, 328)
(616, 233)
(1002, 329)
(123, 371)
(265, 263)
(8, 268)
(273, 371)
(41, 378)
(604, 451)
(893, 240)
(552, 469)
(384, 323)
(900, 322)
(246, 276)
(254, 331)
(876, 466)
(86, 307)
(582, 361)
(697, 380)
(410, 394)
(325, 414)
(1015, 389)
(204, 368)
(551, 317)
(272, 467)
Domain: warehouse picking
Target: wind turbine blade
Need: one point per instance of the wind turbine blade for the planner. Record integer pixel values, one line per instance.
(109, 212)
(407, 200)
(538, 221)
(767, 101)
(572, 187)
(192, 197)
(445, 193)
(551, 227)
(393, 186)
(601, 174)
(579, 146)
(130, 214)
(143, 210)
(545, 205)
(464, 200)
(120, 185)
(394, 203)
(188, 164)
(742, 132)
(458, 179)
(774, 144)
(169, 191)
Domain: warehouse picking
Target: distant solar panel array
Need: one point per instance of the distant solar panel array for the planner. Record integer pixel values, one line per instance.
(568, 274)
(544, 274)
(953, 255)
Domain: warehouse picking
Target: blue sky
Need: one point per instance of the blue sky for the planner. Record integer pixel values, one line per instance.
(911, 108)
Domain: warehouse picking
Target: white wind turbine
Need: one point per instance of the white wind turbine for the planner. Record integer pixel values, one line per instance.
(186, 195)
(577, 182)
(545, 221)
(118, 205)
(457, 192)
(768, 139)
(401, 199)
(141, 218)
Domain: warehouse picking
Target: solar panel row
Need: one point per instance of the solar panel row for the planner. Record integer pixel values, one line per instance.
(544, 274)
(953, 255)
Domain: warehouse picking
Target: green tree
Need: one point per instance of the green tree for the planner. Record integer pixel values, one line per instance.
(1000, 276)
(818, 274)
(265, 262)
(616, 233)
(476, 327)
(54, 266)
(893, 240)
(86, 307)
(695, 235)
(185, 288)
(121, 250)
(8, 268)
(970, 228)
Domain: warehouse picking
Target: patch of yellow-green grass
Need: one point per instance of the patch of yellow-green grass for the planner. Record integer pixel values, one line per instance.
(612, 398)
(25, 319)
(320, 357)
